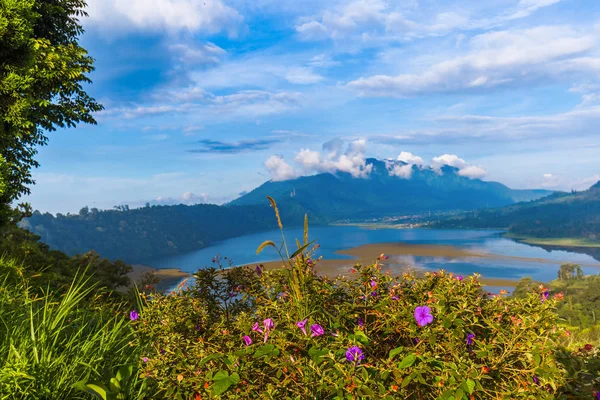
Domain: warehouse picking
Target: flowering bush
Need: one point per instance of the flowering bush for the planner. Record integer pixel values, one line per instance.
(288, 333)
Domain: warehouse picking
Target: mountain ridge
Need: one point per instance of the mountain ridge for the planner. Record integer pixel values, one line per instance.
(342, 196)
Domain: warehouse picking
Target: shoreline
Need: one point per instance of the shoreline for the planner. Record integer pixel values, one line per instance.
(165, 275)
(365, 254)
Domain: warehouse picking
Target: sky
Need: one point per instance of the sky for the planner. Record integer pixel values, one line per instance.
(207, 99)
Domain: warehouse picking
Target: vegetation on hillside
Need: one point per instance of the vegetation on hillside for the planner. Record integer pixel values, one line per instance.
(144, 233)
(562, 215)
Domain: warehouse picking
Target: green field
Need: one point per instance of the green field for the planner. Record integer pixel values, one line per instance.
(559, 242)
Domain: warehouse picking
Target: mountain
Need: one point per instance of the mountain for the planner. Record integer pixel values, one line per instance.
(341, 196)
(561, 215)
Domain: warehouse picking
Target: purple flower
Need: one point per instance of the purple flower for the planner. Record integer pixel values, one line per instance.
(416, 340)
(598, 395)
(536, 380)
(423, 315)
(309, 261)
(459, 277)
(162, 351)
(361, 323)
(145, 359)
(317, 330)
(373, 283)
(374, 293)
(255, 328)
(133, 315)
(395, 298)
(259, 270)
(302, 324)
(354, 354)
(545, 295)
(470, 338)
(247, 340)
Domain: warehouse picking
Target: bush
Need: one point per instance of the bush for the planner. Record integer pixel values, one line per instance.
(247, 333)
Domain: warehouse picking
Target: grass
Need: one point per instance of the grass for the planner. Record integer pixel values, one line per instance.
(559, 242)
(49, 342)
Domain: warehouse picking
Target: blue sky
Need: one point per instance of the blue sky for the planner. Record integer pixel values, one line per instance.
(206, 99)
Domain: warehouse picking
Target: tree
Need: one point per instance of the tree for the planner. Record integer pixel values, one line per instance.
(569, 272)
(42, 72)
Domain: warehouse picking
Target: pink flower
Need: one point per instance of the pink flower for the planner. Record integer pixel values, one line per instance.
(247, 340)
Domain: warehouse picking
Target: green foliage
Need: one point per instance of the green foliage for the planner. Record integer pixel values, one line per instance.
(122, 385)
(137, 235)
(193, 350)
(562, 215)
(569, 272)
(42, 72)
(56, 269)
(49, 342)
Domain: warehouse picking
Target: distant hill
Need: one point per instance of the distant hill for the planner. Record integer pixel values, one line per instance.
(340, 196)
(561, 215)
(145, 233)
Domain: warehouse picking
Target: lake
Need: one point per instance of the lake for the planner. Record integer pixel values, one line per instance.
(501, 258)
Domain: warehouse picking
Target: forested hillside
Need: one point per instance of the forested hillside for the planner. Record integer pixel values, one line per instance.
(139, 234)
(562, 215)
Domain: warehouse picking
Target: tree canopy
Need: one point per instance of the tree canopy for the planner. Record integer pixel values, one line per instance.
(42, 73)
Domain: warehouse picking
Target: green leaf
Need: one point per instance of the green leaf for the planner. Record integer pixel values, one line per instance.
(115, 385)
(361, 337)
(213, 356)
(300, 250)
(265, 244)
(316, 353)
(408, 379)
(222, 382)
(124, 372)
(266, 350)
(407, 361)
(459, 394)
(470, 386)
(93, 389)
(395, 352)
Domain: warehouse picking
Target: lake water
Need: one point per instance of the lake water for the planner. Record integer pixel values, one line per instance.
(536, 262)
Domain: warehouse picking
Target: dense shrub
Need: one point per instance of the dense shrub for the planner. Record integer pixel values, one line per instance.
(288, 333)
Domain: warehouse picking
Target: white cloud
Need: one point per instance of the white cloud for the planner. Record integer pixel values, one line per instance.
(279, 169)
(352, 161)
(302, 76)
(493, 59)
(379, 20)
(410, 158)
(200, 103)
(464, 169)
(198, 54)
(209, 16)
(401, 171)
(473, 172)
